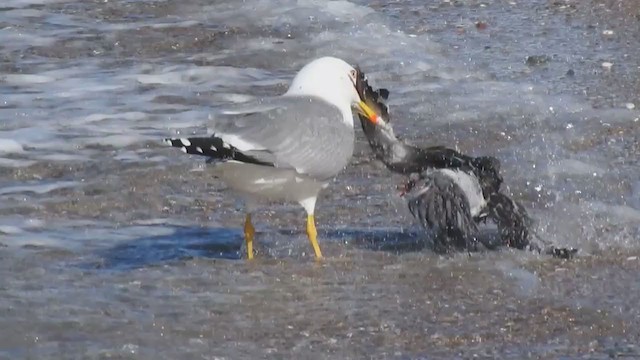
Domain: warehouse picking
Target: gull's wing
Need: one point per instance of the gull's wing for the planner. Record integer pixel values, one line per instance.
(303, 133)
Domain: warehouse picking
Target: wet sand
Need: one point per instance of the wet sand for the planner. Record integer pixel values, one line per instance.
(113, 247)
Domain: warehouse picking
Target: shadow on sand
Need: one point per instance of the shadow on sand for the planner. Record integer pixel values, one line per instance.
(186, 243)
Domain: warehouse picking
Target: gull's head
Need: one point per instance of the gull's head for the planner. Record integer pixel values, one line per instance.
(334, 81)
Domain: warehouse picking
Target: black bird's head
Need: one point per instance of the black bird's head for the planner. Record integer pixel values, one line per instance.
(375, 99)
(414, 179)
(488, 171)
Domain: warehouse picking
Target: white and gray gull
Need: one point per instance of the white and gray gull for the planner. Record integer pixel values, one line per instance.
(448, 192)
(286, 148)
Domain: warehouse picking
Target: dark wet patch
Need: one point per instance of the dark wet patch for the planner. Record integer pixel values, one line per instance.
(183, 244)
(375, 239)
(399, 241)
(187, 243)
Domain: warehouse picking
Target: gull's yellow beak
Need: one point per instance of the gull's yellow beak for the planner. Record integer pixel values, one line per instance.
(365, 110)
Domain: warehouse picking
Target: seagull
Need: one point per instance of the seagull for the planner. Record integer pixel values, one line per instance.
(448, 192)
(286, 148)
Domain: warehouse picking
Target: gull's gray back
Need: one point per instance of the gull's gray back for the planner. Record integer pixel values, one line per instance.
(303, 133)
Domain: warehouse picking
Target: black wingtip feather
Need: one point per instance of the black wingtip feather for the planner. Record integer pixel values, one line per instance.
(212, 147)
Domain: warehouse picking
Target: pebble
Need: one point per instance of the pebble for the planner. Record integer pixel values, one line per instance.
(607, 32)
(630, 106)
(607, 65)
(537, 60)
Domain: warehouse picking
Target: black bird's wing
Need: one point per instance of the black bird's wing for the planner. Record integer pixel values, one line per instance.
(515, 228)
(512, 220)
(440, 205)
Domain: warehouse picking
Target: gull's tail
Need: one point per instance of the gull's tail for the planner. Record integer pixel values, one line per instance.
(212, 147)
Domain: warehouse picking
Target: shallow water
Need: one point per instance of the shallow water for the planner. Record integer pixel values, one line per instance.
(113, 246)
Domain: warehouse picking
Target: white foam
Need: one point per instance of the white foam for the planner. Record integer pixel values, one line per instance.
(15, 231)
(574, 167)
(134, 232)
(181, 122)
(24, 13)
(344, 10)
(13, 38)
(81, 91)
(159, 221)
(29, 239)
(114, 140)
(10, 230)
(186, 23)
(128, 156)
(616, 213)
(234, 98)
(25, 79)
(129, 116)
(18, 224)
(10, 146)
(15, 163)
(81, 101)
(33, 136)
(38, 188)
(27, 3)
(211, 75)
(64, 157)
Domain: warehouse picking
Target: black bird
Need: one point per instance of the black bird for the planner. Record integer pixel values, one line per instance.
(448, 192)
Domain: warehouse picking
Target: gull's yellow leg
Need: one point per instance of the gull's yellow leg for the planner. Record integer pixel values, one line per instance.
(312, 233)
(249, 232)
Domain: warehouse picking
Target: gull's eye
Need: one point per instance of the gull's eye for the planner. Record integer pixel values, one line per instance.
(352, 74)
